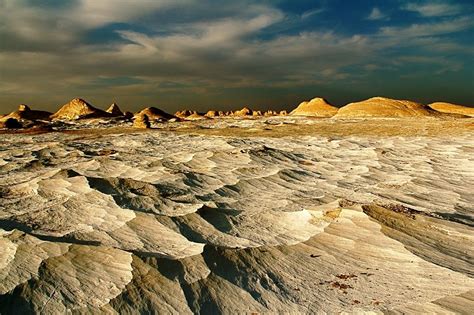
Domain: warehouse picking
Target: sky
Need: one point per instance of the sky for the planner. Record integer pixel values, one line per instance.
(218, 54)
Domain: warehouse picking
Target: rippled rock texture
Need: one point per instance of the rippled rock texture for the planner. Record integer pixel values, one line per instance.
(178, 223)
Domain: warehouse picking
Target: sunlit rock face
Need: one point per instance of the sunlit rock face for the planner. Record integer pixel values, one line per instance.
(385, 107)
(179, 223)
(77, 109)
(449, 108)
(317, 107)
(115, 110)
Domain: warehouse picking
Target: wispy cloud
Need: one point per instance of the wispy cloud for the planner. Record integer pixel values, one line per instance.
(311, 13)
(429, 29)
(376, 14)
(434, 9)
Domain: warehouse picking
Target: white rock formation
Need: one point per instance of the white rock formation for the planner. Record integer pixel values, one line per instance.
(178, 223)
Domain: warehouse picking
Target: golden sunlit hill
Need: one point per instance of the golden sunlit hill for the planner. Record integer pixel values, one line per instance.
(115, 110)
(449, 108)
(154, 113)
(78, 109)
(243, 112)
(317, 107)
(384, 107)
(184, 113)
(25, 113)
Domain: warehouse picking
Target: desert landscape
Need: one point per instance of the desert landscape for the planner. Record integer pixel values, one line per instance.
(236, 157)
(364, 208)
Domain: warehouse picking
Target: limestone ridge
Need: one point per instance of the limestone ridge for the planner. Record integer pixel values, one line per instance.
(25, 113)
(449, 108)
(154, 113)
(115, 110)
(317, 107)
(384, 107)
(77, 109)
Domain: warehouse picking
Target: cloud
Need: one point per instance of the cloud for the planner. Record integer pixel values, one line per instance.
(434, 9)
(177, 50)
(429, 29)
(376, 14)
(310, 13)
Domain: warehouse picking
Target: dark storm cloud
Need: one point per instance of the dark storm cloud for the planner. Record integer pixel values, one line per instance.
(198, 53)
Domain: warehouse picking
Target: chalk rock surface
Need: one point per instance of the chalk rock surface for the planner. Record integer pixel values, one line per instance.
(161, 222)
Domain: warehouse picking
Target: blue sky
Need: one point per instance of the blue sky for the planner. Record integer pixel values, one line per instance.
(226, 54)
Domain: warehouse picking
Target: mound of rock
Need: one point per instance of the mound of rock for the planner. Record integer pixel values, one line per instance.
(243, 112)
(449, 108)
(196, 116)
(10, 123)
(212, 114)
(270, 113)
(115, 110)
(155, 114)
(26, 113)
(141, 121)
(384, 107)
(317, 107)
(79, 109)
(184, 113)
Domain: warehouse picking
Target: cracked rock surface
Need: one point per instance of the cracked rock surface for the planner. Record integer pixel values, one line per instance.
(178, 223)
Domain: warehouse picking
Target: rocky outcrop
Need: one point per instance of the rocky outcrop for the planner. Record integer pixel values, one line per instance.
(270, 113)
(10, 123)
(24, 112)
(184, 113)
(212, 114)
(449, 108)
(243, 112)
(141, 121)
(155, 114)
(196, 116)
(384, 107)
(79, 109)
(115, 110)
(317, 107)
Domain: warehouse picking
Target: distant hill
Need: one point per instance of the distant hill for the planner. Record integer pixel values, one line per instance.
(78, 109)
(452, 108)
(317, 107)
(24, 112)
(115, 110)
(154, 113)
(384, 107)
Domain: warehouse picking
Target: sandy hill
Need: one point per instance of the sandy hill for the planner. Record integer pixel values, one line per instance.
(449, 108)
(154, 113)
(317, 107)
(77, 109)
(25, 113)
(384, 107)
(115, 110)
